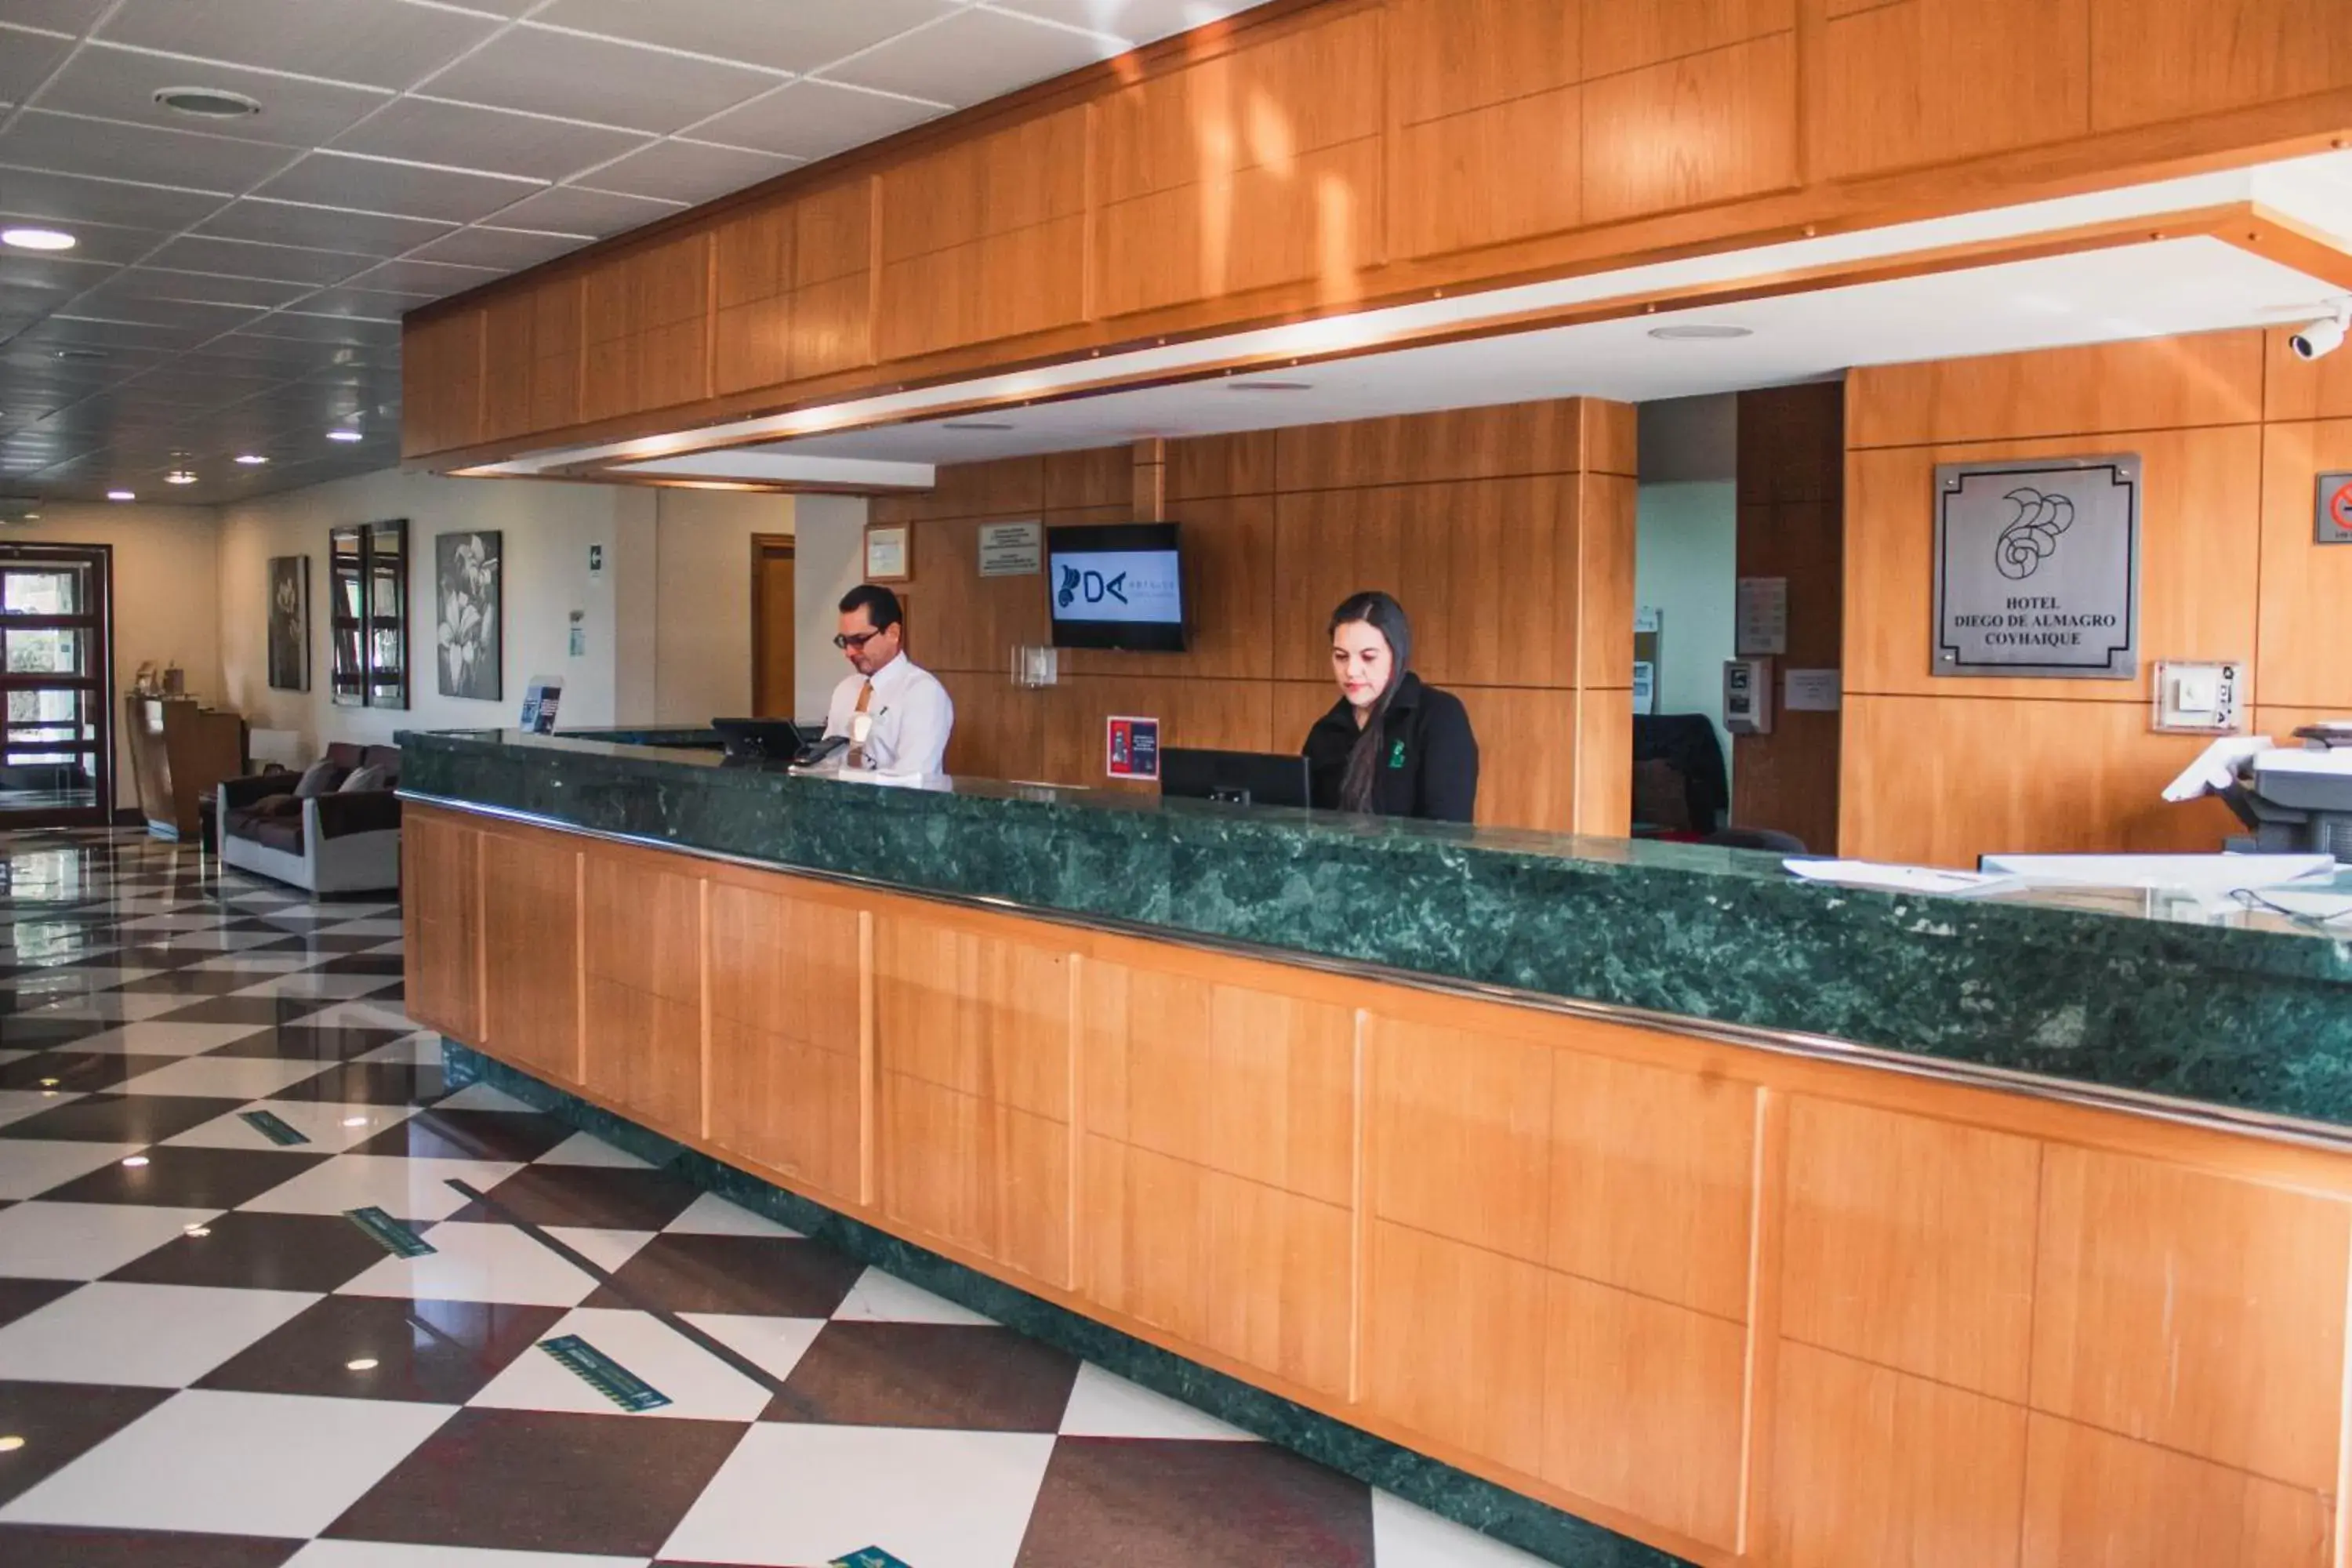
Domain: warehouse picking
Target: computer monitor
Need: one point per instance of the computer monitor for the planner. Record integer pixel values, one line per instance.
(1237, 778)
(759, 740)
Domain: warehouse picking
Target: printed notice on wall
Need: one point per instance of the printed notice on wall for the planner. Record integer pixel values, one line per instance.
(1812, 691)
(1762, 627)
(2037, 568)
(1132, 747)
(1012, 549)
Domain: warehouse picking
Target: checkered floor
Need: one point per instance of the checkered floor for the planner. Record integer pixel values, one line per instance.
(205, 1361)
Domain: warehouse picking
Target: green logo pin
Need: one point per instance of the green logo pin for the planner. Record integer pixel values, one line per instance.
(1396, 754)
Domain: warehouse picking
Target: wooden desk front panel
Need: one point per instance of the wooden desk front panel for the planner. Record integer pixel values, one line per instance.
(1746, 1307)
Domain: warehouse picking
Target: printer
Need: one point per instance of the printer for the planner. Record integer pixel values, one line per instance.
(2294, 799)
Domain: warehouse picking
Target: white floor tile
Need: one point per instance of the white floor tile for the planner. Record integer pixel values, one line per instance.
(711, 1214)
(202, 920)
(1104, 1404)
(64, 982)
(354, 911)
(800, 1494)
(481, 1096)
(226, 1078)
(774, 1346)
(1404, 1536)
(406, 1189)
(476, 1263)
(331, 1128)
(880, 1297)
(102, 1007)
(699, 1385)
(309, 985)
(15, 1104)
(587, 1149)
(245, 1464)
(208, 941)
(84, 1241)
(360, 1015)
(420, 1049)
(149, 1336)
(607, 1249)
(386, 929)
(167, 1039)
(259, 963)
(384, 1554)
(31, 1166)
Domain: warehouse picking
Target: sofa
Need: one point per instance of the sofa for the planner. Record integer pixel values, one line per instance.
(333, 828)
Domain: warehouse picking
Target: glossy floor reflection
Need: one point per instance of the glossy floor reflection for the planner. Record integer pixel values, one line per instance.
(204, 1361)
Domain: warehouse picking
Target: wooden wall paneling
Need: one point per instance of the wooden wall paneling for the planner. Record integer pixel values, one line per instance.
(1909, 1243)
(641, 953)
(1939, 781)
(441, 383)
(1460, 1130)
(2158, 60)
(2195, 1311)
(999, 727)
(1619, 36)
(2296, 388)
(1204, 468)
(979, 620)
(2200, 532)
(786, 1075)
(2094, 1499)
(1602, 764)
(1601, 590)
(1507, 441)
(833, 280)
(648, 333)
(1931, 81)
(510, 364)
(972, 1050)
(555, 354)
(1221, 715)
(1229, 555)
(751, 284)
(1873, 1467)
(1097, 477)
(441, 924)
(1478, 84)
(2149, 383)
(2305, 585)
(1009, 486)
(530, 951)
(1703, 128)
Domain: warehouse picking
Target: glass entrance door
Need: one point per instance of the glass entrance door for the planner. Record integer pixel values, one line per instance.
(57, 750)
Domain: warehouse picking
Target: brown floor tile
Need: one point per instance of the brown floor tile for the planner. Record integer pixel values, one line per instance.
(1169, 1504)
(363, 964)
(328, 1048)
(24, 1032)
(927, 1374)
(587, 1196)
(326, 942)
(123, 1119)
(261, 1012)
(371, 1083)
(77, 1072)
(149, 957)
(772, 1277)
(436, 1353)
(55, 1546)
(190, 983)
(183, 1177)
(19, 1296)
(536, 1481)
(469, 1135)
(260, 1252)
(59, 1423)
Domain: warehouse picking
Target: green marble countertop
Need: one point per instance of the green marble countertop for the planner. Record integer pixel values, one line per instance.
(2127, 990)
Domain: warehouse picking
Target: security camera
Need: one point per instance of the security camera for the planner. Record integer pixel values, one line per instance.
(2323, 338)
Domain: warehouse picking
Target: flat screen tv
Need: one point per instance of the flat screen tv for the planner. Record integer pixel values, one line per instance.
(1119, 585)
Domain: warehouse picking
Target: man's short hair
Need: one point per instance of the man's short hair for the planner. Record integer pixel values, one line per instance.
(880, 604)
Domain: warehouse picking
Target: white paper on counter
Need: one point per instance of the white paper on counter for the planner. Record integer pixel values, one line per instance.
(2206, 877)
(1893, 878)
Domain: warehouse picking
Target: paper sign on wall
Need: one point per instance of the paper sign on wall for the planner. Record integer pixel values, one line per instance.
(1762, 627)
(1131, 748)
(1012, 549)
(1813, 691)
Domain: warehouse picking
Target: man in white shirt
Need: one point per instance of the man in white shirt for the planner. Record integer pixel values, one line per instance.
(896, 717)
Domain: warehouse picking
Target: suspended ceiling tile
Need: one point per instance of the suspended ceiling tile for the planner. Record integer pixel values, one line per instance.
(192, 320)
(467, 136)
(51, 272)
(794, 37)
(144, 283)
(1137, 21)
(504, 249)
(71, 144)
(26, 57)
(568, 209)
(325, 329)
(371, 184)
(543, 72)
(122, 84)
(815, 118)
(59, 16)
(971, 57)
(321, 229)
(71, 199)
(433, 279)
(384, 43)
(690, 170)
(245, 259)
(377, 304)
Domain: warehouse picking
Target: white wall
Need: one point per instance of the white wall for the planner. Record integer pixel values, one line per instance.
(702, 589)
(167, 577)
(1686, 564)
(829, 560)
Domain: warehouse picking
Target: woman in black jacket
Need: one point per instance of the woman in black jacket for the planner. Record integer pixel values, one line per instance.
(1390, 745)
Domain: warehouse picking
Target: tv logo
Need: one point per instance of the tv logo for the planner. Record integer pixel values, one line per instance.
(1093, 585)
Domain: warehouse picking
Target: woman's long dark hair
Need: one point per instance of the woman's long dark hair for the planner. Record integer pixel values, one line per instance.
(1386, 616)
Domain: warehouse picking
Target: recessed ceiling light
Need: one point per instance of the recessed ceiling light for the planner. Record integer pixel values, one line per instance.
(207, 103)
(1699, 332)
(11, 1443)
(343, 435)
(973, 425)
(38, 238)
(251, 459)
(1268, 386)
(121, 495)
(178, 477)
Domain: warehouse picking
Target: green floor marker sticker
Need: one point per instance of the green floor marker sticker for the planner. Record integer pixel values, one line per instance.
(606, 1375)
(389, 1233)
(272, 1126)
(871, 1557)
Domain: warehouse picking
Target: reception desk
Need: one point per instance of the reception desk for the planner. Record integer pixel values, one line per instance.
(1676, 1210)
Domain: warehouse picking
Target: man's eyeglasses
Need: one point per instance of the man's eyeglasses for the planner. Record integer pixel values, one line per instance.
(855, 642)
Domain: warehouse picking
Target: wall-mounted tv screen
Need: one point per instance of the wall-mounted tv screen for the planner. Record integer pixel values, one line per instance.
(1120, 585)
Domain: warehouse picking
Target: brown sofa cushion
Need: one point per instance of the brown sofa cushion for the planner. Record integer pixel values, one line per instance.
(277, 832)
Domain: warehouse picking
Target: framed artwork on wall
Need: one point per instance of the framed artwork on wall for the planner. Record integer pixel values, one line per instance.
(289, 623)
(467, 568)
(886, 548)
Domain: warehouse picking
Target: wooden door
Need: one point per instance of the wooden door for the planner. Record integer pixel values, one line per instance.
(772, 627)
(56, 730)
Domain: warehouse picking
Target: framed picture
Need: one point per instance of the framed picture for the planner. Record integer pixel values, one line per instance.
(887, 553)
(289, 623)
(466, 614)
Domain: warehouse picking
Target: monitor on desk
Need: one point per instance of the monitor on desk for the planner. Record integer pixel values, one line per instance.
(760, 740)
(1237, 778)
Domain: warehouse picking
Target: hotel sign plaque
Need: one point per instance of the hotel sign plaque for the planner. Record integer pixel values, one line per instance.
(2037, 568)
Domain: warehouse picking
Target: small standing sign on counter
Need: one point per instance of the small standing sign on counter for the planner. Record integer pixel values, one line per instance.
(1132, 747)
(1012, 549)
(540, 699)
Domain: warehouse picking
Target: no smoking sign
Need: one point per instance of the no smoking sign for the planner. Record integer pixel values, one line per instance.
(2335, 519)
